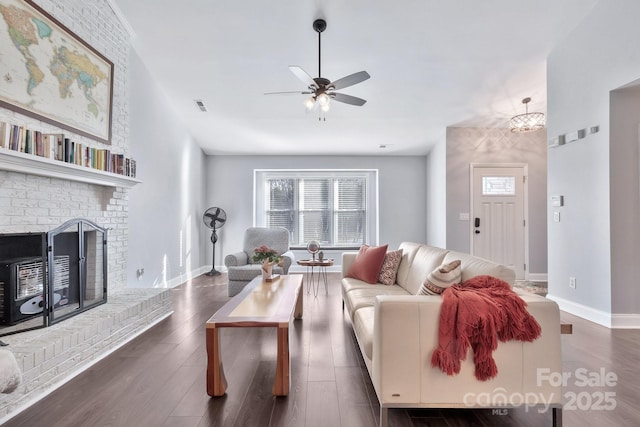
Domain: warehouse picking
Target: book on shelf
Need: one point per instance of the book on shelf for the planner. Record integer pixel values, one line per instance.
(22, 141)
(66, 150)
(57, 146)
(5, 134)
(27, 142)
(53, 145)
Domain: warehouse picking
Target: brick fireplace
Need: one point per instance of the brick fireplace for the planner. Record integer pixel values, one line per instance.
(48, 277)
(36, 202)
(50, 356)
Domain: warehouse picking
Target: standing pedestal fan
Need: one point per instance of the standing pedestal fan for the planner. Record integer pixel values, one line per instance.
(214, 218)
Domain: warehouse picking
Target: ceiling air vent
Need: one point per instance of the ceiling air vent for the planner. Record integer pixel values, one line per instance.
(201, 105)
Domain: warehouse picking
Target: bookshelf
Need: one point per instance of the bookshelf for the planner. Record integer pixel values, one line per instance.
(16, 161)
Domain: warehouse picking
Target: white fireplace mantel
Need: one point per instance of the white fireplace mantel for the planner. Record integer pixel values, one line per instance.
(16, 161)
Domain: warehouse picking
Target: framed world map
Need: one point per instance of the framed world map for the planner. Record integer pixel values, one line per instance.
(47, 72)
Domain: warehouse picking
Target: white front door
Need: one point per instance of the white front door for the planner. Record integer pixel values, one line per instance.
(498, 217)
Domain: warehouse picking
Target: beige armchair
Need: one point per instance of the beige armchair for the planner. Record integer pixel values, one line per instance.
(240, 266)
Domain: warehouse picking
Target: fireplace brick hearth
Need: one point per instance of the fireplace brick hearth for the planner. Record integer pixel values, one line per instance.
(51, 356)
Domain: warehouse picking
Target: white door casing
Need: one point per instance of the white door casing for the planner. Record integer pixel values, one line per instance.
(499, 226)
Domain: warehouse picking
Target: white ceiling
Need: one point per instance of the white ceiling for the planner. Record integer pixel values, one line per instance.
(433, 64)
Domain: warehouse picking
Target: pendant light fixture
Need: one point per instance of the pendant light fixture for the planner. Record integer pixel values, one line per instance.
(527, 122)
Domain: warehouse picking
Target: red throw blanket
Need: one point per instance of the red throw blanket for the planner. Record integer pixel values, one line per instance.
(476, 314)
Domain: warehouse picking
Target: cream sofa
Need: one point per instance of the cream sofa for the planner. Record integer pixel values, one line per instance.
(397, 331)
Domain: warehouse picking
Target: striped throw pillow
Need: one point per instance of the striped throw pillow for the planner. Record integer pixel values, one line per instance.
(441, 278)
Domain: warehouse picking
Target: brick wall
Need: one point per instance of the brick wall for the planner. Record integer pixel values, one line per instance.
(34, 204)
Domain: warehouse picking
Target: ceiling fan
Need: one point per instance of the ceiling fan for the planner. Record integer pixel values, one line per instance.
(321, 89)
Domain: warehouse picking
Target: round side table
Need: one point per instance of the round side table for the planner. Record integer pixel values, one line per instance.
(316, 276)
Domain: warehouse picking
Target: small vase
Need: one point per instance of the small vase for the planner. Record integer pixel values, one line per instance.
(267, 270)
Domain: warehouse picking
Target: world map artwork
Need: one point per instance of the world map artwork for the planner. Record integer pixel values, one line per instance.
(46, 71)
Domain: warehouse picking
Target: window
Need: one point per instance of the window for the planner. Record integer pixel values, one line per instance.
(338, 208)
(498, 185)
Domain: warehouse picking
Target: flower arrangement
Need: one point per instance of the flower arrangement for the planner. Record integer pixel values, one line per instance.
(265, 254)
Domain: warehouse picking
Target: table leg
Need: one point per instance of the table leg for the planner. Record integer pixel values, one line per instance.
(281, 383)
(314, 281)
(216, 381)
(297, 313)
(324, 276)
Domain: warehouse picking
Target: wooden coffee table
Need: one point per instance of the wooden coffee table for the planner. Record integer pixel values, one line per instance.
(260, 304)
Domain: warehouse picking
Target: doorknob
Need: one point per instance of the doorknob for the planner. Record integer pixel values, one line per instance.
(477, 231)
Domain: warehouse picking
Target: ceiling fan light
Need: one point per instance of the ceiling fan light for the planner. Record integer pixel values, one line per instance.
(323, 99)
(309, 103)
(325, 107)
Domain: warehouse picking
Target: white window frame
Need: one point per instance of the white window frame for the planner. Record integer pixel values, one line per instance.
(261, 176)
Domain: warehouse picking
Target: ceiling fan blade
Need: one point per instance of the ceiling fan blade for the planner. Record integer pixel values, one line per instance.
(303, 76)
(348, 99)
(289, 93)
(350, 80)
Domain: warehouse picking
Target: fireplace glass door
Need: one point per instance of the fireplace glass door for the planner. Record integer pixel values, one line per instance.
(77, 252)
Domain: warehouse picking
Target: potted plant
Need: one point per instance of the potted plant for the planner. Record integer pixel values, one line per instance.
(268, 257)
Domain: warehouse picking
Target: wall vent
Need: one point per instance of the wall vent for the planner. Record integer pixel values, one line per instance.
(201, 105)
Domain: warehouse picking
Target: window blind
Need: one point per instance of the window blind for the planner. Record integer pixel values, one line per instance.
(333, 207)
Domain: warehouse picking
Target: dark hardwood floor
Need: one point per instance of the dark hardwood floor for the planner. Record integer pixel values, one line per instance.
(158, 379)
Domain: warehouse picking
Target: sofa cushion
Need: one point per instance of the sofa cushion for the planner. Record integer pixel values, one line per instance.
(366, 296)
(389, 268)
(366, 266)
(409, 250)
(474, 266)
(426, 259)
(349, 283)
(441, 278)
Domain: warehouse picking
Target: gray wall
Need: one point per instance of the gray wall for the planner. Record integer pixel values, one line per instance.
(166, 235)
(479, 145)
(625, 200)
(402, 189)
(437, 195)
(600, 55)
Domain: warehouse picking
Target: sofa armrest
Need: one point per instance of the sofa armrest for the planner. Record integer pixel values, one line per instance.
(397, 325)
(406, 334)
(347, 260)
(287, 260)
(236, 259)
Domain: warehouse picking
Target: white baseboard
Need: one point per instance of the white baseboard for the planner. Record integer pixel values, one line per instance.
(625, 321)
(612, 321)
(187, 276)
(537, 277)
